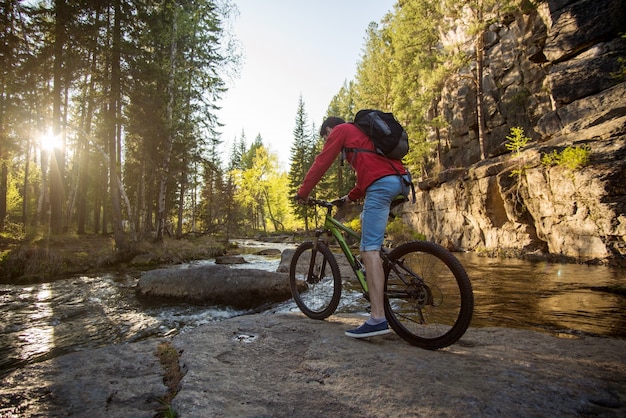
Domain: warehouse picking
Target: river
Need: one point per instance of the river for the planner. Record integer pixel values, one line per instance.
(45, 320)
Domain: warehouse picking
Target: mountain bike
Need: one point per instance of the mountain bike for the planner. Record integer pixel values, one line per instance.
(428, 296)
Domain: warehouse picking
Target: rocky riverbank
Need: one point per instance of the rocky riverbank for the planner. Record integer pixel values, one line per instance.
(288, 365)
(552, 71)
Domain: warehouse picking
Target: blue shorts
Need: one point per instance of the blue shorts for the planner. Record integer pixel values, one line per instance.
(375, 215)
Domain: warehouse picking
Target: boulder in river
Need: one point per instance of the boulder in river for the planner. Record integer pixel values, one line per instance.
(230, 259)
(217, 285)
(269, 252)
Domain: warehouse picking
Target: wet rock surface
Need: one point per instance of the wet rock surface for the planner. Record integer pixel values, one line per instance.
(118, 381)
(289, 365)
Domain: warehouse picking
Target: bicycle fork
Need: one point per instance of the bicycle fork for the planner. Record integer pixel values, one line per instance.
(311, 278)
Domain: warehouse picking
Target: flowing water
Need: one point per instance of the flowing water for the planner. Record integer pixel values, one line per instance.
(45, 320)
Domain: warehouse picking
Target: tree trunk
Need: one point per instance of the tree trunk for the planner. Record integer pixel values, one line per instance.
(165, 167)
(57, 162)
(480, 46)
(275, 222)
(194, 198)
(25, 187)
(181, 205)
(43, 200)
(142, 205)
(4, 174)
(84, 157)
(113, 131)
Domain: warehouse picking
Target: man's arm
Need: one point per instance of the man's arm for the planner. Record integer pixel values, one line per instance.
(322, 163)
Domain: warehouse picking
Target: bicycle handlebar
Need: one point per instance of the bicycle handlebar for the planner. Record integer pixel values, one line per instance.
(324, 203)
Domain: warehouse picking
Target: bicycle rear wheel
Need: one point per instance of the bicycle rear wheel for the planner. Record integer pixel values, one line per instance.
(428, 296)
(315, 280)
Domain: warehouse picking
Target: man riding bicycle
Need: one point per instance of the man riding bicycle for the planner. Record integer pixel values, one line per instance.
(379, 180)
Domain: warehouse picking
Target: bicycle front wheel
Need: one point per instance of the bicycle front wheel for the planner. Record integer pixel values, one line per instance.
(428, 296)
(315, 280)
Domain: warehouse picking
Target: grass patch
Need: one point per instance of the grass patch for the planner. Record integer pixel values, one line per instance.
(169, 359)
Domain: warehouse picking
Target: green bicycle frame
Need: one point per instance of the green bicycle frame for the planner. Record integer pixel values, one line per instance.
(334, 227)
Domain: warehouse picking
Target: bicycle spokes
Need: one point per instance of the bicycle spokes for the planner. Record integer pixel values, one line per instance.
(428, 295)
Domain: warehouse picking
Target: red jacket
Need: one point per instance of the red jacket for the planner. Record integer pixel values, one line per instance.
(369, 166)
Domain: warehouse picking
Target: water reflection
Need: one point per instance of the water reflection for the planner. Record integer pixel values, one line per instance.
(39, 335)
(547, 296)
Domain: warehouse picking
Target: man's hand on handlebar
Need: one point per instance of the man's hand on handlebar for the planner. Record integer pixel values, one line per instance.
(301, 200)
(341, 201)
(312, 202)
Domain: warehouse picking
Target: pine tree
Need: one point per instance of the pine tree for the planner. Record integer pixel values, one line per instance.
(417, 76)
(373, 77)
(340, 178)
(302, 157)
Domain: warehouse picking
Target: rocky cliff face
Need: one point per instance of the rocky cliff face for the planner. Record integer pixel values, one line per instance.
(550, 70)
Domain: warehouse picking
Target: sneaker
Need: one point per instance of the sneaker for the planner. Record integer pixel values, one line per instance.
(367, 330)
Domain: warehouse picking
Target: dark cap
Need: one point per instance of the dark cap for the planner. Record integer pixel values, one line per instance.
(330, 122)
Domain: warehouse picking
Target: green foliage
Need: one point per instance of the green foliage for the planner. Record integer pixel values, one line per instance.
(262, 194)
(374, 74)
(173, 61)
(146, 91)
(518, 172)
(403, 71)
(355, 224)
(398, 231)
(571, 157)
(303, 151)
(551, 158)
(13, 230)
(340, 178)
(343, 103)
(517, 140)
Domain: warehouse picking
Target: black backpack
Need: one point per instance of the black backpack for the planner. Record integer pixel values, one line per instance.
(389, 137)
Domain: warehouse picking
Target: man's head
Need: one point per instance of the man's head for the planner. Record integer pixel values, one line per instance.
(329, 124)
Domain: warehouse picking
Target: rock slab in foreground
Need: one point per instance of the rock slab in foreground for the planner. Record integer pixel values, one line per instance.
(216, 284)
(286, 365)
(289, 365)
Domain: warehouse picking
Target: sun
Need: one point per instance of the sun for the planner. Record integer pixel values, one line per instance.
(49, 141)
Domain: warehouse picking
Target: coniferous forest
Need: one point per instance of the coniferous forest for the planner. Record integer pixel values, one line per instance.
(108, 115)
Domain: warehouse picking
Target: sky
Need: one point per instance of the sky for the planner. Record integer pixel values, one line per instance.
(292, 49)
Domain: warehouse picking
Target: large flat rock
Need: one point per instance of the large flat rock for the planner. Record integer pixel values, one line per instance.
(289, 365)
(286, 365)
